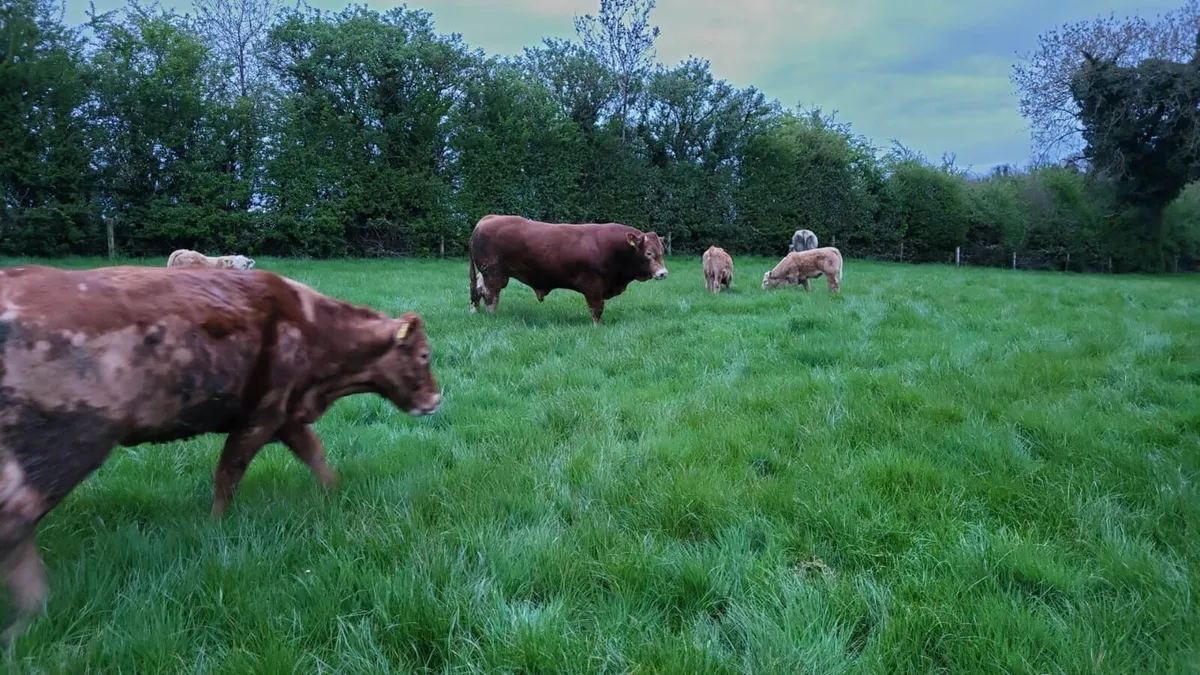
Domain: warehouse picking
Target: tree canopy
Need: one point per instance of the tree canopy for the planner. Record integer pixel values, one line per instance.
(265, 129)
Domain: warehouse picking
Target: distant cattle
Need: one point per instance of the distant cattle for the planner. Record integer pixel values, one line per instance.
(718, 269)
(800, 267)
(186, 258)
(803, 240)
(120, 356)
(596, 260)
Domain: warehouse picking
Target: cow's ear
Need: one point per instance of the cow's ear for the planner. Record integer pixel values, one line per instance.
(406, 327)
(633, 238)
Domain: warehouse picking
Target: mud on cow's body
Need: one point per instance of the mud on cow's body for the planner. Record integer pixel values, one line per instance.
(119, 356)
(598, 260)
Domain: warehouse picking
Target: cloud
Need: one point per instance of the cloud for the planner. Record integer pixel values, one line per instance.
(744, 38)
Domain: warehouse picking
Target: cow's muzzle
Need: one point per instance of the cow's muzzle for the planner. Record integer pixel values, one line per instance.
(426, 407)
(660, 273)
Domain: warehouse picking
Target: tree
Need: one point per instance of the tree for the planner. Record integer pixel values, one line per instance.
(621, 37)
(366, 119)
(1043, 80)
(577, 80)
(1141, 125)
(45, 182)
(237, 28)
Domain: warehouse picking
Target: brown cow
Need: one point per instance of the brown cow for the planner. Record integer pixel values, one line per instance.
(597, 260)
(718, 269)
(799, 267)
(120, 356)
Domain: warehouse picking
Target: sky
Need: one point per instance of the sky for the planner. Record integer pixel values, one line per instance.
(931, 74)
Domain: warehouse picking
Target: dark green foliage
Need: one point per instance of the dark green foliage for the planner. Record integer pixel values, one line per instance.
(46, 185)
(1142, 127)
(372, 134)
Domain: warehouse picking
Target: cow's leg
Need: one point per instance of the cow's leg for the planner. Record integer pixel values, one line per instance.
(491, 292)
(541, 295)
(804, 282)
(304, 443)
(240, 448)
(25, 577)
(596, 304)
(22, 505)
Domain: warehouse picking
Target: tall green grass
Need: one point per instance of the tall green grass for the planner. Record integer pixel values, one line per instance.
(938, 470)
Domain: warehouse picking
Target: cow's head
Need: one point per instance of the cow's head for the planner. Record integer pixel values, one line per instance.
(771, 281)
(648, 254)
(237, 262)
(403, 374)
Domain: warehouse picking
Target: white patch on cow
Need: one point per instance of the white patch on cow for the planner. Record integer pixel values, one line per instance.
(83, 287)
(8, 315)
(12, 479)
(41, 346)
(112, 362)
(479, 285)
(183, 356)
(17, 496)
(78, 339)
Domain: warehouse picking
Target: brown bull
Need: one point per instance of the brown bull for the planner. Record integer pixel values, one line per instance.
(596, 260)
(120, 356)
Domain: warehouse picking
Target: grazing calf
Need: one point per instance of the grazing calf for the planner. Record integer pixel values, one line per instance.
(120, 356)
(718, 269)
(596, 260)
(186, 258)
(800, 267)
(803, 240)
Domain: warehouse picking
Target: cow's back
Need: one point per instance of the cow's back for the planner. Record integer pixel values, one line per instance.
(135, 354)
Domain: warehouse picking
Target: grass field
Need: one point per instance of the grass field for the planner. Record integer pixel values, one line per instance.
(939, 470)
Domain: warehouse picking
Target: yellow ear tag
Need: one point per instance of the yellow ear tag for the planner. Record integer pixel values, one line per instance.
(403, 332)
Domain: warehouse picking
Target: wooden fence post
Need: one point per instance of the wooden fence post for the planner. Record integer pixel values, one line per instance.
(957, 256)
(1014, 260)
(112, 239)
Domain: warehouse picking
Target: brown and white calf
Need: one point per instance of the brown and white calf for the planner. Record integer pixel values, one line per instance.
(120, 356)
(799, 267)
(718, 269)
(598, 260)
